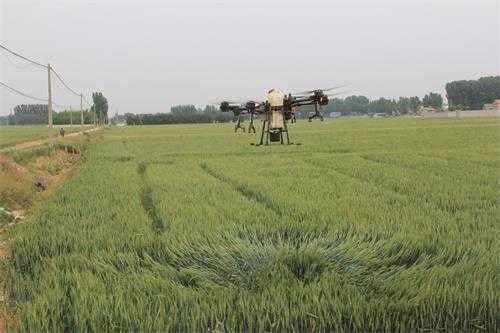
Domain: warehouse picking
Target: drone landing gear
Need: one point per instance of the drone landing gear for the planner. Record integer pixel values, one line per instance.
(239, 125)
(251, 128)
(316, 113)
(273, 134)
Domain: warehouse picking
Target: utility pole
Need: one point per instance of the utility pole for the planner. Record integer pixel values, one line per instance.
(81, 110)
(49, 102)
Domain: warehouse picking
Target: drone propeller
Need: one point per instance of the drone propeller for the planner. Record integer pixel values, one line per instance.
(336, 87)
(312, 91)
(336, 94)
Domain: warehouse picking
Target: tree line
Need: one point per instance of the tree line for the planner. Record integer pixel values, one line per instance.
(363, 105)
(38, 114)
(461, 95)
(472, 94)
(190, 114)
(179, 114)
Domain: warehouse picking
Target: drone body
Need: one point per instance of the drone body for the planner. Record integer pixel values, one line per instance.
(277, 110)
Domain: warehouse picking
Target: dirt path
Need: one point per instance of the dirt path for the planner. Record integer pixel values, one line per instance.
(29, 144)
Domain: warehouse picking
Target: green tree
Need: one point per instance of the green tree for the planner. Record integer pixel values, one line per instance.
(433, 100)
(404, 106)
(384, 105)
(473, 94)
(415, 103)
(100, 107)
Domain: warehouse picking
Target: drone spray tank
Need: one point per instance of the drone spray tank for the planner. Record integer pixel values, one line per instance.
(275, 100)
(274, 124)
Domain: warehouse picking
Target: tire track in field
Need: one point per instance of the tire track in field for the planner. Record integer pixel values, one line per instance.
(158, 222)
(244, 190)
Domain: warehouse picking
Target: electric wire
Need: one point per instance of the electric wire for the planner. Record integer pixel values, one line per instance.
(22, 93)
(65, 107)
(4, 48)
(12, 62)
(22, 57)
(62, 81)
(86, 101)
(33, 97)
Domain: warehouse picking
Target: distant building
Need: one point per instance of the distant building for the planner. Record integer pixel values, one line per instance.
(335, 114)
(495, 106)
(426, 109)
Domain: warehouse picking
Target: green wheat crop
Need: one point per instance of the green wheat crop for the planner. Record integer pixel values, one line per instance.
(369, 225)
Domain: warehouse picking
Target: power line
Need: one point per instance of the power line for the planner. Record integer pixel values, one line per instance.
(64, 83)
(22, 57)
(32, 97)
(60, 105)
(12, 62)
(85, 101)
(21, 93)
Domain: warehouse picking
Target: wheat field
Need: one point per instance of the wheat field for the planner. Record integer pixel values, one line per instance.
(368, 225)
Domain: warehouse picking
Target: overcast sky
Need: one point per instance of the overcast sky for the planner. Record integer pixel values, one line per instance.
(148, 55)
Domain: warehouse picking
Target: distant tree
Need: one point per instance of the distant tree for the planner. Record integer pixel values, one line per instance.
(29, 114)
(384, 105)
(415, 103)
(37, 114)
(403, 105)
(180, 114)
(117, 119)
(433, 100)
(100, 107)
(356, 104)
(64, 117)
(473, 94)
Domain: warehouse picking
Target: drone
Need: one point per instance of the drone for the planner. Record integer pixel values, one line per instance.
(276, 111)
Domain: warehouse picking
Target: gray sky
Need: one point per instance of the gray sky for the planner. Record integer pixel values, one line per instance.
(148, 55)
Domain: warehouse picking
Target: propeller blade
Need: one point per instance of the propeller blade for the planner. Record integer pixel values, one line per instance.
(337, 94)
(336, 87)
(312, 91)
(307, 92)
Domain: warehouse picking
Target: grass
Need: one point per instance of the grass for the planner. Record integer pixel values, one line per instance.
(369, 225)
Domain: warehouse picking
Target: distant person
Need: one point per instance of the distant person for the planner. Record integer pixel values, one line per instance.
(62, 131)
